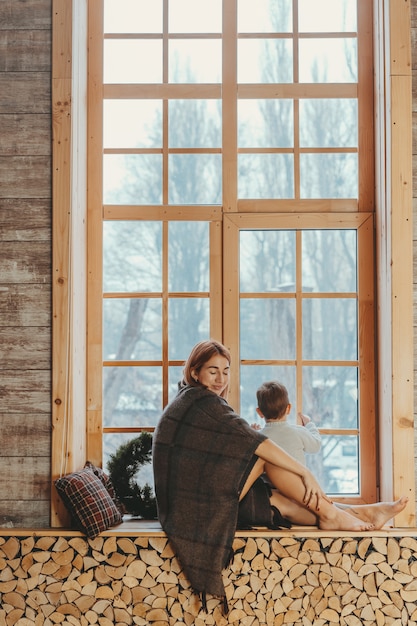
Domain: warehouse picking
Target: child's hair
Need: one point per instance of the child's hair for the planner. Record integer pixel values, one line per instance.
(272, 399)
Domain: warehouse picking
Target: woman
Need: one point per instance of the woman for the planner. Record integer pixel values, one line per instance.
(206, 459)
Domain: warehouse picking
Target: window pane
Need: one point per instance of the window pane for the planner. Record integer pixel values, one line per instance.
(132, 179)
(267, 260)
(329, 260)
(269, 16)
(132, 123)
(265, 123)
(195, 61)
(195, 16)
(123, 61)
(252, 377)
(195, 179)
(266, 176)
(189, 322)
(174, 378)
(340, 179)
(132, 329)
(329, 329)
(265, 61)
(132, 256)
(132, 396)
(329, 123)
(340, 463)
(330, 396)
(111, 444)
(188, 265)
(328, 60)
(327, 16)
(267, 329)
(195, 124)
(132, 16)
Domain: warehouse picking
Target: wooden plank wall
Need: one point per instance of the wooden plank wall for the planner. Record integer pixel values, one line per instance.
(25, 262)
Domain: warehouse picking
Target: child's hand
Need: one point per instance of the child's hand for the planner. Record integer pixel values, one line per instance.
(255, 426)
(304, 419)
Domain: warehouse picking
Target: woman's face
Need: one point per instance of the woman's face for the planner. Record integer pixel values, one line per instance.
(214, 374)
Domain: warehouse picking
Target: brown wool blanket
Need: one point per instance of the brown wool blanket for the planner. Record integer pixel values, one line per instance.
(202, 454)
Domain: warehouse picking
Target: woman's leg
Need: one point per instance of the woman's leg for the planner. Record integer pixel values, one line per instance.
(291, 492)
(289, 501)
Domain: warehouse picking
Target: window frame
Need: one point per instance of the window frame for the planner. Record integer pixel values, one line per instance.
(392, 166)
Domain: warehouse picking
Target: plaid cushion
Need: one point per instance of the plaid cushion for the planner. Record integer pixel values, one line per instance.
(105, 479)
(88, 501)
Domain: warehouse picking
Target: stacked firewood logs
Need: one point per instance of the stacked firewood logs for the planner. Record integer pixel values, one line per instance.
(273, 580)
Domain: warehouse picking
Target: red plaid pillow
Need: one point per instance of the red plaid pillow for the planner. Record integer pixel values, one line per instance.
(88, 501)
(105, 479)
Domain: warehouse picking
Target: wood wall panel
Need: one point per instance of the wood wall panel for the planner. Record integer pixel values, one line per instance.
(25, 134)
(24, 391)
(25, 305)
(25, 50)
(25, 177)
(25, 14)
(25, 261)
(25, 219)
(25, 92)
(25, 434)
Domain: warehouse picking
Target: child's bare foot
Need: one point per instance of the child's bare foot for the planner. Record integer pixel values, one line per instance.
(379, 513)
(338, 519)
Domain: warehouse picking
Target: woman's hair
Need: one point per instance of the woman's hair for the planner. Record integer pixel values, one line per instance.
(272, 399)
(199, 355)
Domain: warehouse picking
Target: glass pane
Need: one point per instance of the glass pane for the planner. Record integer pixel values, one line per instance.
(174, 378)
(195, 124)
(330, 396)
(329, 260)
(327, 16)
(331, 123)
(188, 265)
(132, 329)
(269, 16)
(132, 123)
(267, 329)
(111, 444)
(195, 179)
(267, 260)
(195, 61)
(132, 16)
(266, 176)
(265, 123)
(123, 61)
(195, 16)
(252, 377)
(132, 254)
(132, 396)
(340, 179)
(189, 322)
(132, 179)
(328, 60)
(330, 329)
(265, 61)
(340, 463)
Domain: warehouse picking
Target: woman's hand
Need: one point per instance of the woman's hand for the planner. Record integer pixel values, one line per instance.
(313, 492)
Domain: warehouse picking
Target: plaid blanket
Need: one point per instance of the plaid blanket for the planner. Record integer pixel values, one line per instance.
(202, 454)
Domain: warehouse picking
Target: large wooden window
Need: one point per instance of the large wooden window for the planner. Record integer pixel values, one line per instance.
(231, 192)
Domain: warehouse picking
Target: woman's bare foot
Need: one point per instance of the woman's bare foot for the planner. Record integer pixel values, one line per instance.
(379, 513)
(333, 518)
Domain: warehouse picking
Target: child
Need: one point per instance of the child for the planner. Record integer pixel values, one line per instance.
(273, 407)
